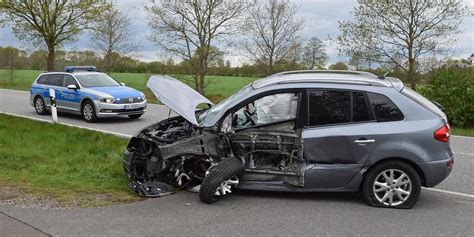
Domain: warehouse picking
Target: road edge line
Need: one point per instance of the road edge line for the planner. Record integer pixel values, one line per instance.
(70, 125)
(450, 192)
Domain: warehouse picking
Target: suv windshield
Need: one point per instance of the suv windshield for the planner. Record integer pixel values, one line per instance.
(205, 117)
(96, 80)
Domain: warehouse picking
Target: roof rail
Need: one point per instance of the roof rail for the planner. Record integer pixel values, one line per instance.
(368, 74)
(72, 69)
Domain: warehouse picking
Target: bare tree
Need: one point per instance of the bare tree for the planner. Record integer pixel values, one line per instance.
(411, 28)
(50, 22)
(9, 59)
(191, 29)
(314, 55)
(273, 32)
(113, 36)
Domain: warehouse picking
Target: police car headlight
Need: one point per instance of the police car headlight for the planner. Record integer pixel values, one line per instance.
(107, 100)
(143, 97)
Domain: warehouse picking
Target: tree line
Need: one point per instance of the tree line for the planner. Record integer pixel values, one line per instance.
(399, 35)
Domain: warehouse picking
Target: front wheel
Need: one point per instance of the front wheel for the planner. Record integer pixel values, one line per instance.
(221, 180)
(88, 112)
(392, 184)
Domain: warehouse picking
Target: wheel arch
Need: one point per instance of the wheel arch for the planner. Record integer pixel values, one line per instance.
(415, 166)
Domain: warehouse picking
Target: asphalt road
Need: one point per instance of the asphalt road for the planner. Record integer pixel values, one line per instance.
(255, 213)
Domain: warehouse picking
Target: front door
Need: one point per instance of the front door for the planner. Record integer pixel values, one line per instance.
(68, 99)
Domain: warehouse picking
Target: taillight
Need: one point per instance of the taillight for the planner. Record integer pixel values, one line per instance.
(442, 134)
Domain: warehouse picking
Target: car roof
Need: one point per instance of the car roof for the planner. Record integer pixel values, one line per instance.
(325, 76)
(71, 73)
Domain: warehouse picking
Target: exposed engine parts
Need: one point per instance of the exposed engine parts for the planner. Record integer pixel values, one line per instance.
(178, 153)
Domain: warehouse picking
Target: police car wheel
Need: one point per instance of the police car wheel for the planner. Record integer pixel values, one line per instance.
(40, 107)
(88, 112)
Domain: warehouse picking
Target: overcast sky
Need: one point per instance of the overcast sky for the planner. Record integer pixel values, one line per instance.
(321, 20)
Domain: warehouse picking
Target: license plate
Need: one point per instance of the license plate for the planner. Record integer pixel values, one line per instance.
(130, 107)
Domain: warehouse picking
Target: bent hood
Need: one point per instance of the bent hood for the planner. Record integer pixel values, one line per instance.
(178, 96)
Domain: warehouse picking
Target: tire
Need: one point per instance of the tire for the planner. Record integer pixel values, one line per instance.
(400, 193)
(88, 112)
(135, 116)
(40, 106)
(228, 171)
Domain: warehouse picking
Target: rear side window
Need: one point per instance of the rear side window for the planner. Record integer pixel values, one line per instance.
(334, 107)
(384, 109)
(55, 80)
(42, 80)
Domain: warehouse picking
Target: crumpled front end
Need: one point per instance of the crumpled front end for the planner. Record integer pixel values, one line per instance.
(173, 151)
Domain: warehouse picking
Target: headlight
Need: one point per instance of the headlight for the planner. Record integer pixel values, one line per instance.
(143, 97)
(107, 100)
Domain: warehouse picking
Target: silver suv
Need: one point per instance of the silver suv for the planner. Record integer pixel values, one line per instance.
(301, 131)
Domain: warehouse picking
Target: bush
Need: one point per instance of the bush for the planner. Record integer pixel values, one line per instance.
(453, 88)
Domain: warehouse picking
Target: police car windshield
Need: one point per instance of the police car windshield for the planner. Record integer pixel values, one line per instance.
(96, 80)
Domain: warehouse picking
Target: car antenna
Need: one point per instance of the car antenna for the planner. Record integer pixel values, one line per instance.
(382, 77)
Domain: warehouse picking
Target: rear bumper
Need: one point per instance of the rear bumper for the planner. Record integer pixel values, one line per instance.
(109, 110)
(436, 171)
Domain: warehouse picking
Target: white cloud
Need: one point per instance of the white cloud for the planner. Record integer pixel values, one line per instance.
(321, 20)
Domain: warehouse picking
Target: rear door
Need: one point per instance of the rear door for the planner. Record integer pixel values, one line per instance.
(338, 138)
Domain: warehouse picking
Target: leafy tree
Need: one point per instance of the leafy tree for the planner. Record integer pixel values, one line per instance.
(338, 66)
(50, 23)
(410, 29)
(453, 88)
(9, 59)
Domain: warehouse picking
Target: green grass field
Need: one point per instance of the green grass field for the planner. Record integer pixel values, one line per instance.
(73, 166)
(218, 87)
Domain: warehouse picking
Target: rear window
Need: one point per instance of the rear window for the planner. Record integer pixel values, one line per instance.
(336, 107)
(384, 109)
(55, 80)
(423, 101)
(42, 80)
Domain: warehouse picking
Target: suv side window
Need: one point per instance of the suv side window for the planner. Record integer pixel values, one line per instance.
(336, 106)
(55, 80)
(384, 109)
(68, 80)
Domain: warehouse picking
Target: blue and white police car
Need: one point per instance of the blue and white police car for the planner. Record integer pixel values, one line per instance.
(84, 91)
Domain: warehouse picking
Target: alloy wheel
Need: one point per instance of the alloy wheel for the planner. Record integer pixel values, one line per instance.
(392, 187)
(226, 187)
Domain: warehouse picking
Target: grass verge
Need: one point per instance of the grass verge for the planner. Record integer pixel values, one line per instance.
(75, 167)
(468, 132)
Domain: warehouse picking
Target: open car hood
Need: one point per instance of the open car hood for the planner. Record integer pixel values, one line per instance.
(178, 96)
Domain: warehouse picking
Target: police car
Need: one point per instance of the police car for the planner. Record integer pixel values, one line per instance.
(84, 91)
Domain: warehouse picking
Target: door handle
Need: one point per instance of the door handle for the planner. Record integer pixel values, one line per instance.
(364, 141)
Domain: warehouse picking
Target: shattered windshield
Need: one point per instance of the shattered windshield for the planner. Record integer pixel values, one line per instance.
(207, 115)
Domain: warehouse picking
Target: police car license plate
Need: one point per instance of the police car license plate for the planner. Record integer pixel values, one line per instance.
(130, 107)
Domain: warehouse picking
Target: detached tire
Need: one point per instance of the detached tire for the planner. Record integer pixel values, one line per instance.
(220, 180)
(392, 184)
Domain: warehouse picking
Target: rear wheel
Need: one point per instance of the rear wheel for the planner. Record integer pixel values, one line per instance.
(134, 116)
(221, 180)
(40, 107)
(88, 112)
(393, 184)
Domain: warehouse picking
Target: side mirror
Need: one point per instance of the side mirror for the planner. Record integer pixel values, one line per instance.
(72, 87)
(121, 83)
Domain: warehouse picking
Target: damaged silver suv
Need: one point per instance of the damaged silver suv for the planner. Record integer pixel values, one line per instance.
(300, 131)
